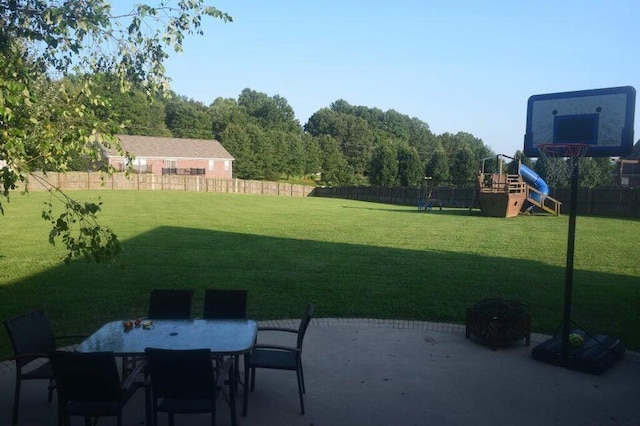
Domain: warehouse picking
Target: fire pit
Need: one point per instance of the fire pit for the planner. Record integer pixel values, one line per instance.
(498, 322)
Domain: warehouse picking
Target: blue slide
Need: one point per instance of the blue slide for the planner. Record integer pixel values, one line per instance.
(534, 179)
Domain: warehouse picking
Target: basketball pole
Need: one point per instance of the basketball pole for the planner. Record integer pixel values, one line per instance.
(568, 285)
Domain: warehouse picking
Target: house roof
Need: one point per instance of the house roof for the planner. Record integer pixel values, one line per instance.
(162, 147)
(635, 154)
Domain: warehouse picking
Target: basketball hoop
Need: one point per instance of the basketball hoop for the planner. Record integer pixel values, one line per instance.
(573, 152)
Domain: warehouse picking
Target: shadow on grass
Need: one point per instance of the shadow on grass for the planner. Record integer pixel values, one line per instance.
(344, 280)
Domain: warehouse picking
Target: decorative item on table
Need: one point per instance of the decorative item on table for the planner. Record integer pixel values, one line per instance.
(128, 325)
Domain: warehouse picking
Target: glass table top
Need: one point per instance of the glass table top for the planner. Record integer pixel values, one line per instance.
(220, 336)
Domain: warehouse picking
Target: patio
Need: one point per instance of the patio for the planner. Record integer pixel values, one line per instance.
(382, 372)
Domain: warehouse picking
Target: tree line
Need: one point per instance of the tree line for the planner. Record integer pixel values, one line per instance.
(339, 145)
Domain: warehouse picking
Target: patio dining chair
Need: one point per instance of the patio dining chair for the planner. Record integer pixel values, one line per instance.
(282, 357)
(165, 304)
(89, 385)
(186, 382)
(32, 339)
(225, 304)
(170, 304)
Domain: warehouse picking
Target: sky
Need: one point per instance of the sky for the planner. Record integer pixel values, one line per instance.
(459, 66)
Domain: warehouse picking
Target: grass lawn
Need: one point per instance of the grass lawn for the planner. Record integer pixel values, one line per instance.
(353, 259)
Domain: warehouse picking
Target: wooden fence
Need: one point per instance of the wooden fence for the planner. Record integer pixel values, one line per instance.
(609, 201)
(606, 201)
(150, 182)
(446, 196)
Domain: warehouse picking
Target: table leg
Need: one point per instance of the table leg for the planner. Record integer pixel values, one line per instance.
(233, 391)
(245, 395)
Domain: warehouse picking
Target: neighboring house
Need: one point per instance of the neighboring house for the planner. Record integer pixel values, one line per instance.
(629, 168)
(174, 156)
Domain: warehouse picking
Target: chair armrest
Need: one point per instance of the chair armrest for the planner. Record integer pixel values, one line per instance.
(27, 356)
(288, 330)
(72, 336)
(278, 347)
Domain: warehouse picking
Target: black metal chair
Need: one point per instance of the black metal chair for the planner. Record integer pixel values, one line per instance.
(164, 304)
(282, 357)
(225, 304)
(170, 304)
(186, 382)
(89, 385)
(32, 339)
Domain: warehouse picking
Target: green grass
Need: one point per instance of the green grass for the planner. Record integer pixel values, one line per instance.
(353, 259)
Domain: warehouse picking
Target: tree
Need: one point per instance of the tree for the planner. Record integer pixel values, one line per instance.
(186, 118)
(295, 156)
(438, 167)
(46, 122)
(272, 112)
(322, 122)
(139, 114)
(410, 170)
(240, 141)
(313, 156)
(384, 166)
(595, 172)
(554, 171)
(225, 112)
(519, 158)
(335, 170)
(354, 135)
(464, 166)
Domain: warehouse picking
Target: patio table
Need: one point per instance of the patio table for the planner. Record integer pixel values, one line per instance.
(222, 337)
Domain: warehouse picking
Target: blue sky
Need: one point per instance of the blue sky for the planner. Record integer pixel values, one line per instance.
(457, 65)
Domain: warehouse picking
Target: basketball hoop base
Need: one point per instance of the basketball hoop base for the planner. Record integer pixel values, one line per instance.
(597, 354)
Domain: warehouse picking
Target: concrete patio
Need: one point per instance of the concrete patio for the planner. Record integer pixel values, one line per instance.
(380, 372)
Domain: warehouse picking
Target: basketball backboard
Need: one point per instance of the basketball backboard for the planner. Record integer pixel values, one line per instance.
(601, 118)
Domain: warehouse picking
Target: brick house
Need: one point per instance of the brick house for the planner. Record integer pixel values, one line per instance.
(174, 156)
(629, 168)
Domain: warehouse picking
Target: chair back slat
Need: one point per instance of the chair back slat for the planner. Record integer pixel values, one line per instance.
(170, 304)
(304, 324)
(225, 304)
(86, 376)
(181, 374)
(30, 333)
